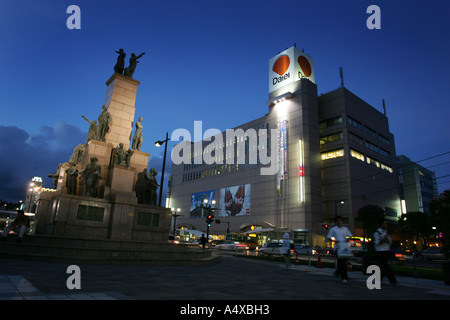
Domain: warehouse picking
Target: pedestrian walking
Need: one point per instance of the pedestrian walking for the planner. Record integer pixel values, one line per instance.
(286, 249)
(340, 235)
(382, 243)
(203, 240)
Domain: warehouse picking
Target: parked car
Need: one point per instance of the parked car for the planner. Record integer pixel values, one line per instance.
(231, 246)
(270, 249)
(303, 249)
(432, 253)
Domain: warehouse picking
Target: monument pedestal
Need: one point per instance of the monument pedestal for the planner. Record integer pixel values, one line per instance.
(120, 100)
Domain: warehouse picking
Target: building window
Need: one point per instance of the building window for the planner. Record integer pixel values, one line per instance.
(385, 153)
(355, 123)
(373, 162)
(387, 168)
(371, 146)
(355, 138)
(383, 139)
(332, 154)
(332, 137)
(330, 122)
(357, 155)
(370, 131)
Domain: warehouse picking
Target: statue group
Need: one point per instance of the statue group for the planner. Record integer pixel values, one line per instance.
(120, 65)
(98, 129)
(146, 186)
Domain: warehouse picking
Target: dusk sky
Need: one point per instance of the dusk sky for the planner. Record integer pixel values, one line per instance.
(208, 61)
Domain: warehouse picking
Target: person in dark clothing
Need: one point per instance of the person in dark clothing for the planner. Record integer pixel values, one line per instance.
(203, 241)
(21, 225)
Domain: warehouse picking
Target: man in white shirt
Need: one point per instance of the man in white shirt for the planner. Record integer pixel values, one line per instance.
(340, 235)
(382, 243)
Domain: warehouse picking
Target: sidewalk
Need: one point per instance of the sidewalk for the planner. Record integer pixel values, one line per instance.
(16, 287)
(438, 287)
(232, 278)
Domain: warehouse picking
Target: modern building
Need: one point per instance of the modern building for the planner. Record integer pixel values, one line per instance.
(358, 158)
(417, 185)
(306, 160)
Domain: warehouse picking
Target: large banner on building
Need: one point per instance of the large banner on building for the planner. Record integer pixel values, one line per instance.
(197, 200)
(235, 201)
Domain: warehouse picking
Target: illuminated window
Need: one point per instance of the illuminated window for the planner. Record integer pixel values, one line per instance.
(373, 162)
(357, 155)
(387, 168)
(332, 154)
(332, 137)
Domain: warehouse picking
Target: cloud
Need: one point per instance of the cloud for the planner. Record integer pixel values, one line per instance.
(24, 155)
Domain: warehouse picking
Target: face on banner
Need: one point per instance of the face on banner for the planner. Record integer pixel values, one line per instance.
(235, 201)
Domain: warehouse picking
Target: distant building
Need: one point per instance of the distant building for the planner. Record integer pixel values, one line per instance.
(417, 185)
(33, 190)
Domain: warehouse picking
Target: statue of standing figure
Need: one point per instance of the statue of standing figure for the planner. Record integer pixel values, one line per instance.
(71, 179)
(151, 186)
(120, 65)
(55, 176)
(104, 119)
(129, 71)
(137, 140)
(93, 129)
(92, 175)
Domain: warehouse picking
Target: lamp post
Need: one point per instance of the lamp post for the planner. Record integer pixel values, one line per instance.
(336, 207)
(32, 189)
(175, 215)
(206, 205)
(158, 144)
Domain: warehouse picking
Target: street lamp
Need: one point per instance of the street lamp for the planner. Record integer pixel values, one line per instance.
(32, 189)
(175, 215)
(336, 207)
(159, 144)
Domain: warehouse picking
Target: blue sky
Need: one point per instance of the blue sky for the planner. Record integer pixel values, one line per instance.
(208, 61)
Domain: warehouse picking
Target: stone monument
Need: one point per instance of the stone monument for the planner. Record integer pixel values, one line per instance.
(104, 206)
(96, 194)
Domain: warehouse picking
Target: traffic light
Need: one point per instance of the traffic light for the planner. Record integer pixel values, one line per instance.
(325, 226)
(209, 219)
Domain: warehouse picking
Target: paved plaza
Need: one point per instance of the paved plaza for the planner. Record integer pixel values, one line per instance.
(233, 278)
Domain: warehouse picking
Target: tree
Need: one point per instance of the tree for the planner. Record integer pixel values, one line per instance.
(440, 214)
(416, 225)
(370, 216)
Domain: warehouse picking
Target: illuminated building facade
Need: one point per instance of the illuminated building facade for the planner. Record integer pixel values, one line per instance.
(276, 172)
